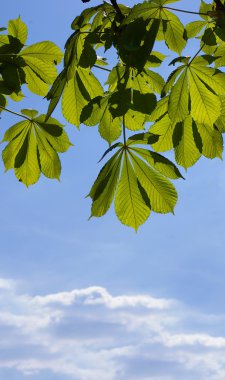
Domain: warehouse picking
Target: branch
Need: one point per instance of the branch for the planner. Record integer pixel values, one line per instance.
(117, 9)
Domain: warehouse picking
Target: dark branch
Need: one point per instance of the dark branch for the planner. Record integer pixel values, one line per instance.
(117, 9)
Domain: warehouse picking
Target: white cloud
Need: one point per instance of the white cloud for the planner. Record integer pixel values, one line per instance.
(90, 334)
(6, 284)
(96, 295)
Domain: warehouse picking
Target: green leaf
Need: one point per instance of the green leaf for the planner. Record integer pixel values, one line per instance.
(130, 206)
(105, 191)
(16, 97)
(79, 90)
(33, 148)
(164, 128)
(160, 109)
(45, 51)
(178, 107)
(85, 16)
(220, 53)
(13, 77)
(209, 37)
(29, 112)
(161, 192)
(220, 122)
(43, 70)
(3, 102)
(159, 163)
(186, 152)
(174, 31)
(155, 59)
(134, 120)
(193, 28)
(136, 42)
(146, 138)
(205, 8)
(212, 141)
(55, 92)
(172, 79)
(116, 145)
(109, 127)
(34, 83)
(154, 81)
(18, 29)
(144, 103)
(98, 186)
(40, 60)
(205, 105)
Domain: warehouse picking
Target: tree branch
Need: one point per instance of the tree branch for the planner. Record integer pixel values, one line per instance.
(117, 9)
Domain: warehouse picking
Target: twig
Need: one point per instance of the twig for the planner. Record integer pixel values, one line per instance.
(15, 113)
(182, 10)
(102, 68)
(117, 9)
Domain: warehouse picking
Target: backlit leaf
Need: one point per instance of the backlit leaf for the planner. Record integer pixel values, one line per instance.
(130, 206)
(33, 148)
(161, 192)
(18, 29)
(186, 152)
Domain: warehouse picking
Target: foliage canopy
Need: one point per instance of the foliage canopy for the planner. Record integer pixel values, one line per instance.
(139, 113)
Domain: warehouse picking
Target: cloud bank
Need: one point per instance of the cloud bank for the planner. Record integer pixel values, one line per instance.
(90, 334)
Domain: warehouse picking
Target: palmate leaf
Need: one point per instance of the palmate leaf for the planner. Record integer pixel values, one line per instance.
(202, 85)
(33, 147)
(39, 65)
(137, 179)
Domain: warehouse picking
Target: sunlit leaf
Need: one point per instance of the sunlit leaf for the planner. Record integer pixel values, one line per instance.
(161, 192)
(33, 146)
(186, 152)
(130, 206)
(17, 28)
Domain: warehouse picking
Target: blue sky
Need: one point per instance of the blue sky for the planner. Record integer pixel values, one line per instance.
(93, 300)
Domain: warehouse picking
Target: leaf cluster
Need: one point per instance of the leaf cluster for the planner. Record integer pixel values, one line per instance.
(139, 113)
(34, 143)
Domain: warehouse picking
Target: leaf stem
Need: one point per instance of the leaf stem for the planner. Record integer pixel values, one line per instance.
(124, 133)
(184, 11)
(15, 113)
(102, 68)
(200, 49)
